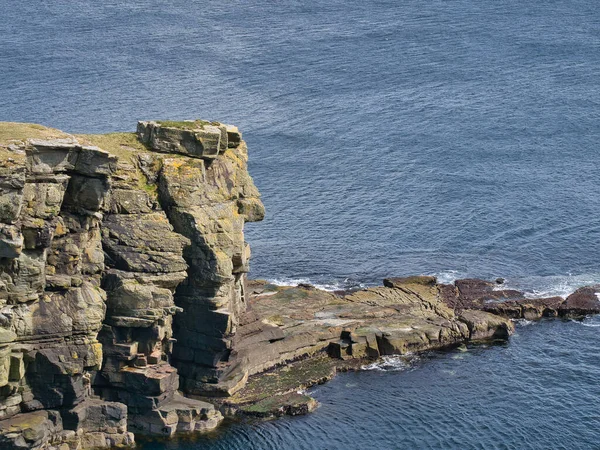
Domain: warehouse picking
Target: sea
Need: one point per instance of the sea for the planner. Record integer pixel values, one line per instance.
(456, 138)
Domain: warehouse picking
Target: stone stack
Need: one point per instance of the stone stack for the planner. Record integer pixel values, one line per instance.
(145, 266)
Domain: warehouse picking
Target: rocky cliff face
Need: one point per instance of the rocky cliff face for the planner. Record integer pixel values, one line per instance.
(104, 239)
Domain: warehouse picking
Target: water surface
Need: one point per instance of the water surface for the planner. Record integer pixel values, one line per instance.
(449, 137)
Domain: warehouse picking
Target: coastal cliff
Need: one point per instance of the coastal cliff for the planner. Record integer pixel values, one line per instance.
(103, 240)
(124, 304)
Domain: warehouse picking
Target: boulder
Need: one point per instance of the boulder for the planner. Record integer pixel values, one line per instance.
(192, 138)
(582, 302)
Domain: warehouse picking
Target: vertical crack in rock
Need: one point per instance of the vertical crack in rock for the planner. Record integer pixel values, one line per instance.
(145, 266)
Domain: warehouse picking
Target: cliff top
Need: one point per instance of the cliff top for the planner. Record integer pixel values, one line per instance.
(198, 139)
(14, 135)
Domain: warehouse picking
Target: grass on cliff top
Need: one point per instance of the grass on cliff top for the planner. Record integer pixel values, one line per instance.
(124, 145)
(15, 133)
(186, 124)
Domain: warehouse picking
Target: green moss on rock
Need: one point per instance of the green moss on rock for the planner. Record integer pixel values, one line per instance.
(185, 124)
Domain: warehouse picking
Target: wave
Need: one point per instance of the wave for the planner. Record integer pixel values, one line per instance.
(334, 285)
(449, 276)
(590, 321)
(523, 322)
(392, 363)
(531, 286)
(551, 286)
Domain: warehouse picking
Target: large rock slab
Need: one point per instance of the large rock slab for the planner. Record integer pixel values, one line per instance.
(197, 139)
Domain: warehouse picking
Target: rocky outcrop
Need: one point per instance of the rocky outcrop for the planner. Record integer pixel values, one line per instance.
(407, 315)
(99, 249)
(124, 305)
(404, 316)
(208, 201)
(494, 298)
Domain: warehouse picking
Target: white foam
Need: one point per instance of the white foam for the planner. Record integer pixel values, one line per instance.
(591, 321)
(391, 363)
(448, 276)
(523, 322)
(532, 287)
(333, 286)
(551, 286)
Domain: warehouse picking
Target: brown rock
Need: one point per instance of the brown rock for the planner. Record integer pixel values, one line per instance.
(582, 302)
(420, 279)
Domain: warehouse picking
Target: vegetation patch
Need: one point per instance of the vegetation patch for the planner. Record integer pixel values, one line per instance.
(124, 145)
(186, 124)
(16, 133)
(293, 403)
(289, 378)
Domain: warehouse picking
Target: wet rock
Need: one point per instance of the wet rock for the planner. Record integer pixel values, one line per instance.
(399, 282)
(582, 302)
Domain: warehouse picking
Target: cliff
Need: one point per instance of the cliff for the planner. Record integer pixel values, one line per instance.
(103, 239)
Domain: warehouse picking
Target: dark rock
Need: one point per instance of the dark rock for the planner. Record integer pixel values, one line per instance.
(419, 279)
(582, 302)
(474, 294)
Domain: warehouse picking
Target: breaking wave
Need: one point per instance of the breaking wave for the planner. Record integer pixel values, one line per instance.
(392, 363)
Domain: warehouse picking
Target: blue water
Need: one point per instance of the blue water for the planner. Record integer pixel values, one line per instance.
(533, 393)
(456, 138)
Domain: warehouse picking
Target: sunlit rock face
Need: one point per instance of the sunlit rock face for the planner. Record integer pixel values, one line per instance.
(104, 241)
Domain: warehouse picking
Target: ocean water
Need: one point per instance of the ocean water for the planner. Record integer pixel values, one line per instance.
(451, 137)
(540, 391)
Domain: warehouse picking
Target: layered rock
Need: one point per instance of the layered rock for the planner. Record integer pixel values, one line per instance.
(52, 306)
(93, 245)
(208, 199)
(404, 316)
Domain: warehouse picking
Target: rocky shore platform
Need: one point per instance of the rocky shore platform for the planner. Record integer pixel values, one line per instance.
(320, 333)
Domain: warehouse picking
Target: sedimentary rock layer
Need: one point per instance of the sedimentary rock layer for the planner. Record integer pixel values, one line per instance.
(103, 240)
(407, 315)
